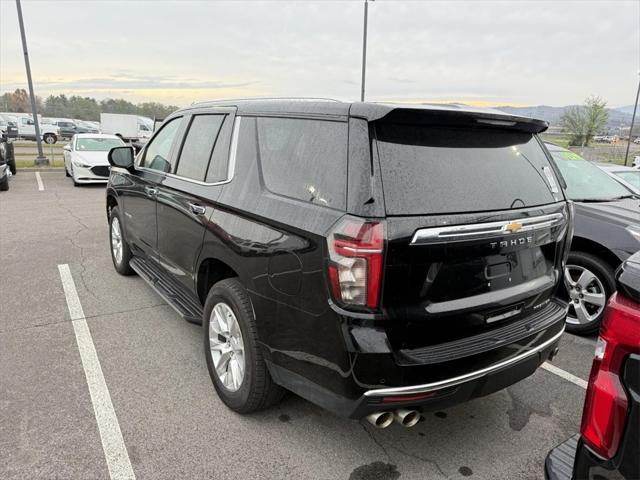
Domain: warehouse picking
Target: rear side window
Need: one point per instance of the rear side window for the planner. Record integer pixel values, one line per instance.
(198, 146)
(432, 170)
(304, 159)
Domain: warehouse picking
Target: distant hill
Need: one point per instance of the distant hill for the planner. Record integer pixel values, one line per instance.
(626, 109)
(617, 116)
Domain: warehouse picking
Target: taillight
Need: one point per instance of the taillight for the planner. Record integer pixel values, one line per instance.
(606, 403)
(356, 250)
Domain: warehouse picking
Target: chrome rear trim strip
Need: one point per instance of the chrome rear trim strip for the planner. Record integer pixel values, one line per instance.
(452, 382)
(484, 230)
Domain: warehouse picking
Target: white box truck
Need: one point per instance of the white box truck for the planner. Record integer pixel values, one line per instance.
(132, 128)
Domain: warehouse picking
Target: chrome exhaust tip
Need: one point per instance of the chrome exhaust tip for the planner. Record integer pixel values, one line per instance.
(407, 418)
(380, 419)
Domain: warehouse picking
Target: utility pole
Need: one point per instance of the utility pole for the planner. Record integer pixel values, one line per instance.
(633, 118)
(41, 159)
(364, 49)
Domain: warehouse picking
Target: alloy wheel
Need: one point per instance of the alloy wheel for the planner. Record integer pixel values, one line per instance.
(587, 296)
(227, 347)
(116, 240)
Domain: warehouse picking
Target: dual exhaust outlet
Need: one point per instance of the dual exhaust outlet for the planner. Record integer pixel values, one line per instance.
(406, 418)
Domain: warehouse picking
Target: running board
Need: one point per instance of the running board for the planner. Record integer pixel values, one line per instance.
(169, 289)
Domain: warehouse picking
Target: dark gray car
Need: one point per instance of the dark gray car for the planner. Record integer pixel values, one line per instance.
(607, 232)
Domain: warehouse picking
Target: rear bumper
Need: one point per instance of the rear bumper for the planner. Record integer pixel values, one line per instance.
(468, 377)
(423, 387)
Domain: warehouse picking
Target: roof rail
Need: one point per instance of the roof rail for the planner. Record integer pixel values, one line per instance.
(244, 99)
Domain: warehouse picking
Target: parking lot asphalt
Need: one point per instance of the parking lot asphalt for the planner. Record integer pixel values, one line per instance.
(172, 423)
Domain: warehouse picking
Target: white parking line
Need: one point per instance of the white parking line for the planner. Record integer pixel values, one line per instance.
(113, 445)
(566, 375)
(39, 180)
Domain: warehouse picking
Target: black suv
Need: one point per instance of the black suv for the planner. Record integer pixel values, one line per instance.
(377, 260)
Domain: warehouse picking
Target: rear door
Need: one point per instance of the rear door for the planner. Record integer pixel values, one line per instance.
(475, 228)
(186, 198)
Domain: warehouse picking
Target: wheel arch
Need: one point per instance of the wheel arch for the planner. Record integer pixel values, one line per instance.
(210, 271)
(112, 201)
(582, 244)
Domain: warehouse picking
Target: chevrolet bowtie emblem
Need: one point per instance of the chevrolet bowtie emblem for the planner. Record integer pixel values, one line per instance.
(513, 227)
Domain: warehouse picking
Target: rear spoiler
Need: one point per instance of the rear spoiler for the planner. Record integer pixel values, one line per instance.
(447, 115)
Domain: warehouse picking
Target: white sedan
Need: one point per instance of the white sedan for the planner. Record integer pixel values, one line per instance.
(85, 157)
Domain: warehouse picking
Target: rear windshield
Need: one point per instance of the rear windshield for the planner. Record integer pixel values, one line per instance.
(430, 170)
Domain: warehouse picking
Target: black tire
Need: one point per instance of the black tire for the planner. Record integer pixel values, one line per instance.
(257, 390)
(4, 184)
(122, 267)
(75, 184)
(66, 172)
(50, 138)
(605, 274)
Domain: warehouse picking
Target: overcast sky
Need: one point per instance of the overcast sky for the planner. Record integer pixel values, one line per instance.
(487, 53)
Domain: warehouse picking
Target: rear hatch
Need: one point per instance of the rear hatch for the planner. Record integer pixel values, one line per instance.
(476, 224)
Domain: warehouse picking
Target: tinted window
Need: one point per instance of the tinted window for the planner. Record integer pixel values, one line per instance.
(198, 146)
(304, 159)
(156, 156)
(219, 164)
(427, 169)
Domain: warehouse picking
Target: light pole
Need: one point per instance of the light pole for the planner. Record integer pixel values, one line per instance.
(364, 49)
(633, 118)
(41, 159)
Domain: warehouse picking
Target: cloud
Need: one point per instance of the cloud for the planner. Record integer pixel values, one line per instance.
(521, 52)
(130, 82)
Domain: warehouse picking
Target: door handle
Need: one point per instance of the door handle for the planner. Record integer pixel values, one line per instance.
(197, 209)
(151, 192)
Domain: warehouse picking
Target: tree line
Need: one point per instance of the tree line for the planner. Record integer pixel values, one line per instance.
(83, 108)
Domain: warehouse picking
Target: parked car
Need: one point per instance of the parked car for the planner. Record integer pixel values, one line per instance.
(607, 232)
(374, 287)
(26, 129)
(627, 176)
(85, 127)
(7, 130)
(7, 164)
(67, 126)
(85, 157)
(608, 446)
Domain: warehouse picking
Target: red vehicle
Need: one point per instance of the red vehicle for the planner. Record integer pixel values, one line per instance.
(608, 446)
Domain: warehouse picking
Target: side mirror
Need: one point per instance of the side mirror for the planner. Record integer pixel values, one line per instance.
(67, 147)
(121, 157)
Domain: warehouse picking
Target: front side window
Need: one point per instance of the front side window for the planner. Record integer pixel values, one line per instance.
(157, 153)
(304, 159)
